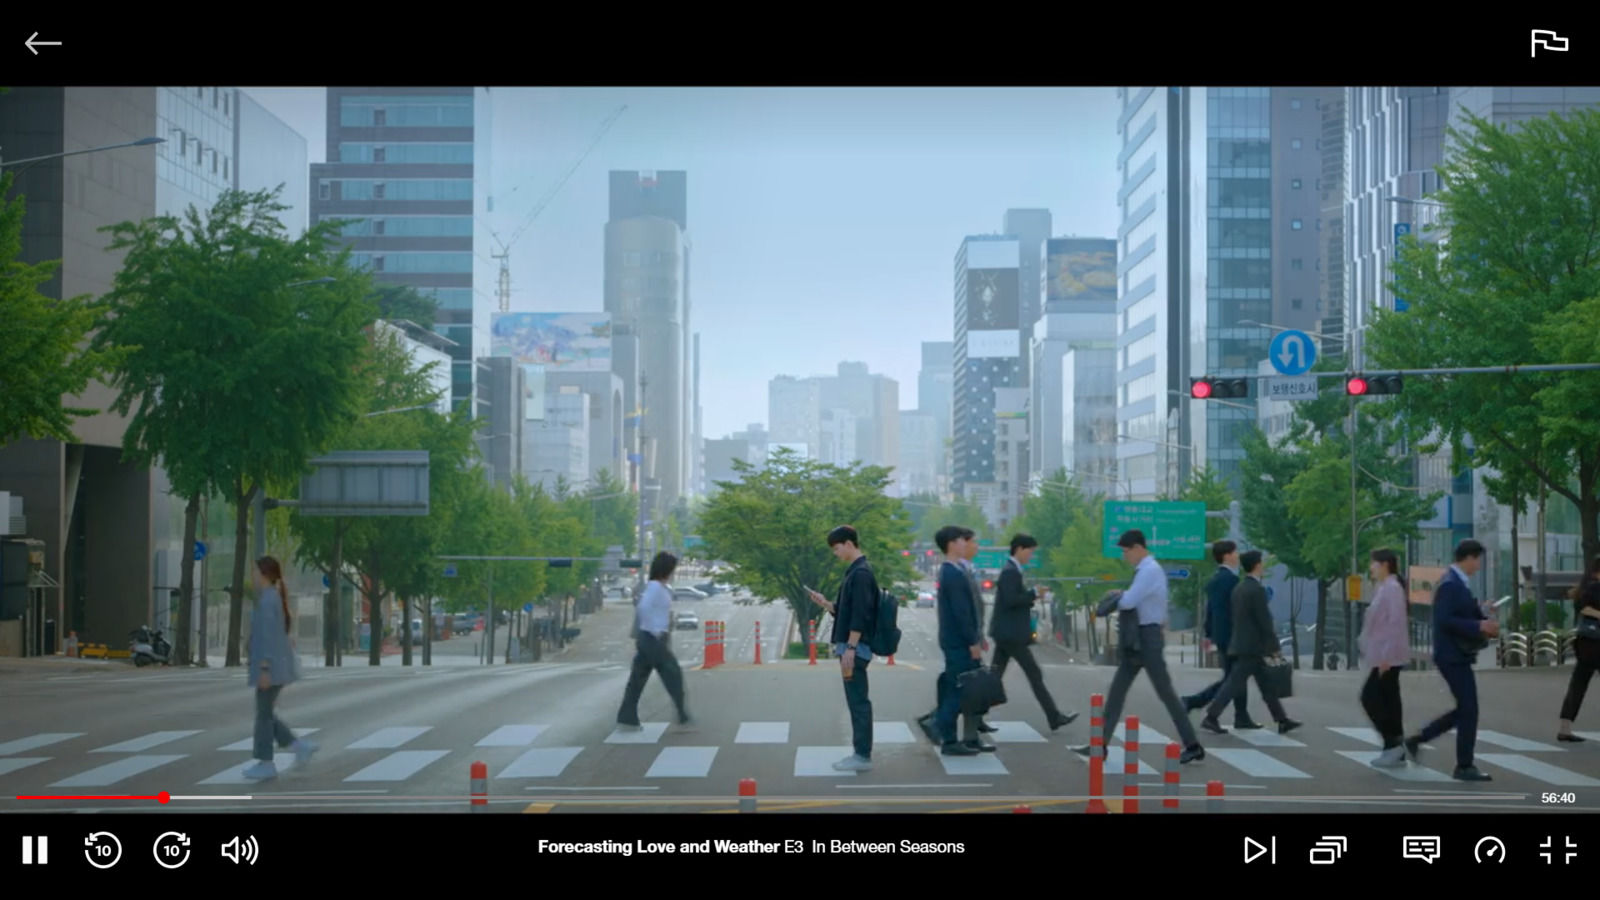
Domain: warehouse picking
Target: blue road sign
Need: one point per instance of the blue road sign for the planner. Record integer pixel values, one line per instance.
(1292, 353)
(199, 550)
(527, 607)
(1401, 229)
(449, 571)
(326, 583)
(1178, 573)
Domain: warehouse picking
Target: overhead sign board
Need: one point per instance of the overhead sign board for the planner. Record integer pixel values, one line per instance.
(1175, 530)
(995, 559)
(1292, 353)
(1291, 387)
(366, 483)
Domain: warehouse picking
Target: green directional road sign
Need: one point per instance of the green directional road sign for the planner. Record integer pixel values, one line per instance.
(993, 558)
(1173, 531)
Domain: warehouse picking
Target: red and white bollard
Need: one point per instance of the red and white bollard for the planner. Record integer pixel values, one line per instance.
(1130, 766)
(758, 643)
(811, 646)
(1213, 796)
(480, 787)
(1170, 777)
(1097, 755)
(747, 795)
(1023, 809)
(891, 659)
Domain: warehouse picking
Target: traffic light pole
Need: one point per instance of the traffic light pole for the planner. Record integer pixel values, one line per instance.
(1469, 370)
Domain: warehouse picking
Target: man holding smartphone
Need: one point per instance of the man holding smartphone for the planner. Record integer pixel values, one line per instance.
(853, 618)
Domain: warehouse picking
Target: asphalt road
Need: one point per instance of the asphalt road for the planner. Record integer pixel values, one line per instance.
(403, 739)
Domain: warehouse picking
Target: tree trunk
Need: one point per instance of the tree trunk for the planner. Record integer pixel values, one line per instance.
(1294, 621)
(427, 631)
(1541, 559)
(185, 627)
(405, 629)
(374, 618)
(332, 623)
(1321, 631)
(241, 553)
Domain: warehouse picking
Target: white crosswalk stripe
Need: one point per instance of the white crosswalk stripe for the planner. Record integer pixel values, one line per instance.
(541, 751)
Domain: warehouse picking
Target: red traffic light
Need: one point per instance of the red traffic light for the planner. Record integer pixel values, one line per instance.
(1200, 390)
(905, 552)
(1355, 387)
(930, 553)
(987, 585)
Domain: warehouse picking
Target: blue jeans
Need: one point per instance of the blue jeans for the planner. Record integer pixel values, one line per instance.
(955, 663)
(269, 727)
(859, 702)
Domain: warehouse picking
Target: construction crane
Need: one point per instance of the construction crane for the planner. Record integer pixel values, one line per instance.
(505, 246)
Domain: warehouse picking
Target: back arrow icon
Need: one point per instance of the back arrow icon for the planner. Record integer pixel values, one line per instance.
(33, 43)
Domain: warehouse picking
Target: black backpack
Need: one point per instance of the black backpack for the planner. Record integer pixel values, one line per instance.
(885, 640)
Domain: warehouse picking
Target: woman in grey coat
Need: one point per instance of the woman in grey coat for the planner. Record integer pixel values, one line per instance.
(273, 665)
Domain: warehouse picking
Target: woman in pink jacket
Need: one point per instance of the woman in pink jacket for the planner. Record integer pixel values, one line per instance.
(1386, 645)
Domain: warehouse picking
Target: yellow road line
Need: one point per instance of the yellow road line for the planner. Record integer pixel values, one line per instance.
(1007, 807)
(539, 807)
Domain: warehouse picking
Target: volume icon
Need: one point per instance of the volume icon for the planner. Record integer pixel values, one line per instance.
(245, 850)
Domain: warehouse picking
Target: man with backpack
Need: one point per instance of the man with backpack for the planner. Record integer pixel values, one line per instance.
(863, 626)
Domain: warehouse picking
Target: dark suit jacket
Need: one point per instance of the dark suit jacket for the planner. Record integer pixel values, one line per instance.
(977, 594)
(1219, 607)
(958, 611)
(1457, 634)
(1253, 634)
(1012, 619)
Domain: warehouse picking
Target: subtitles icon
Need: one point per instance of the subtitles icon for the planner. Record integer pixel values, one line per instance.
(1327, 851)
(1423, 848)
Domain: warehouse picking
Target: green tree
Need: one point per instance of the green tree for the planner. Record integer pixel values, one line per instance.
(616, 512)
(43, 352)
(403, 302)
(1049, 514)
(1519, 283)
(927, 514)
(772, 525)
(237, 372)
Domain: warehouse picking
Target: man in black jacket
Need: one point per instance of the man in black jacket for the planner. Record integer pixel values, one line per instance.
(1219, 628)
(961, 641)
(1011, 626)
(854, 615)
(1253, 642)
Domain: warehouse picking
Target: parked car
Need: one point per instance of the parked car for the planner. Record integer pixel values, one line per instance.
(688, 593)
(708, 588)
(924, 600)
(686, 621)
(463, 624)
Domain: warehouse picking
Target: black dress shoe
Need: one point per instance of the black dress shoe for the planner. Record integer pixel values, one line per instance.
(954, 748)
(1212, 725)
(1570, 738)
(1063, 721)
(1247, 725)
(986, 728)
(1469, 773)
(1288, 725)
(980, 746)
(1192, 753)
(928, 729)
(1413, 747)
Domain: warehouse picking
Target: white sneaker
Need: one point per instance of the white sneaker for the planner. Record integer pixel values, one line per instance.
(853, 763)
(303, 751)
(261, 771)
(1392, 758)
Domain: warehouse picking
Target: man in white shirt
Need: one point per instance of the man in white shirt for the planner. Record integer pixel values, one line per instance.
(1142, 609)
(653, 621)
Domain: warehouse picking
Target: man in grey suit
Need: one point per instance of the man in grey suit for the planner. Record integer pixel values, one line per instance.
(1253, 642)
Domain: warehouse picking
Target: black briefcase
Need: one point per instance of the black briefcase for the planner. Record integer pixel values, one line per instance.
(980, 690)
(1277, 678)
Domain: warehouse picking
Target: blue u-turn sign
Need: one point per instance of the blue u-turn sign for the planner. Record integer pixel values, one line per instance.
(1293, 352)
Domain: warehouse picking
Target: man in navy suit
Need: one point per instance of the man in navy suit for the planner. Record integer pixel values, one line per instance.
(1219, 628)
(1460, 630)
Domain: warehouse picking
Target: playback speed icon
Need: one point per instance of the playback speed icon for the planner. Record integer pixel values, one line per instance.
(242, 850)
(1327, 851)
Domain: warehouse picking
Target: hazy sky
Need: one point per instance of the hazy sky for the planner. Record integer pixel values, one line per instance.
(825, 222)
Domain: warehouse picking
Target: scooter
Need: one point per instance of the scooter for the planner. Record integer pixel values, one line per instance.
(149, 647)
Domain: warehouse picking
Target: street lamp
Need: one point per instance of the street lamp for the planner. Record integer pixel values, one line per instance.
(29, 162)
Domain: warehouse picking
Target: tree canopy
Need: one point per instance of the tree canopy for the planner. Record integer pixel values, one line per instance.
(1515, 281)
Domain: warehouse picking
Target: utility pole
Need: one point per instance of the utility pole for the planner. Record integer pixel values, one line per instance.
(1543, 563)
(639, 480)
(504, 291)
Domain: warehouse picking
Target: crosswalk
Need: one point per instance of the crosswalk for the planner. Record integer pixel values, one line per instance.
(520, 751)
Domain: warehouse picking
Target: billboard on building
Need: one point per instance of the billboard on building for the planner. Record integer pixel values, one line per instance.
(1081, 269)
(992, 300)
(1011, 403)
(994, 344)
(568, 342)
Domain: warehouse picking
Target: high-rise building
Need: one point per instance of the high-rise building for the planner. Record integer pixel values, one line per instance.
(935, 396)
(556, 448)
(988, 351)
(1089, 413)
(1204, 269)
(112, 532)
(921, 450)
(1080, 284)
(1031, 228)
(502, 442)
(409, 168)
(794, 410)
(697, 449)
(873, 401)
(647, 294)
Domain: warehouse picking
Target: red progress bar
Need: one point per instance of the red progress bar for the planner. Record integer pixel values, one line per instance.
(162, 797)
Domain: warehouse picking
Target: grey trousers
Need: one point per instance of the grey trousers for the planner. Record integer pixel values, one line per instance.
(269, 727)
(1152, 659)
